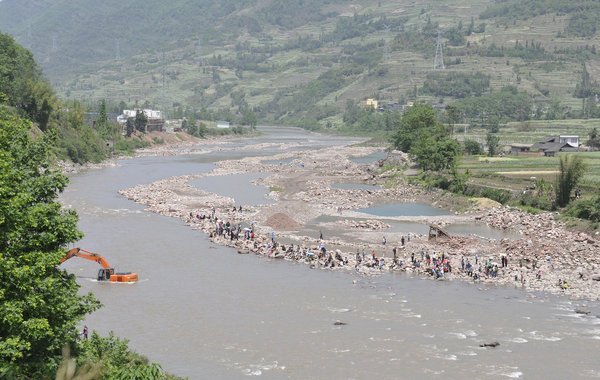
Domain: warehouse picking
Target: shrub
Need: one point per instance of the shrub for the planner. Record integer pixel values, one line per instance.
(588, 209)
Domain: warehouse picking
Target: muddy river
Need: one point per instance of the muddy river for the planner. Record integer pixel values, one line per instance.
(203, 311)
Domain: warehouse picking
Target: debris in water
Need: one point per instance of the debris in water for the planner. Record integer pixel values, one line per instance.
(492, 345)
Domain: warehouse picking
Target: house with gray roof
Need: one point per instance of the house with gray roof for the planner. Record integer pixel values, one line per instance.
(554, 144)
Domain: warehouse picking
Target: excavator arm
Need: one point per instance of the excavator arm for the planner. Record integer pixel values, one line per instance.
(107, 273)
(87, 255)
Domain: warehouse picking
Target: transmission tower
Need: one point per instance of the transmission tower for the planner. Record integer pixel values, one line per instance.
(438, 62)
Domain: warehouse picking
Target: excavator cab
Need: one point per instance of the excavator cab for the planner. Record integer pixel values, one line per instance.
(105, 273)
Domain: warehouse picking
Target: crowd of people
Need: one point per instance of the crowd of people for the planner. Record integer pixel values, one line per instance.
(437, 264)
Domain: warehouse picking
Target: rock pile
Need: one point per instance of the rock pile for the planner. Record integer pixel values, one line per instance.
(370, 224)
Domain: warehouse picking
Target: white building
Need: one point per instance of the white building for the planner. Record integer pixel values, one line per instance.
(572, 139)
(156, 122)
(223, 124)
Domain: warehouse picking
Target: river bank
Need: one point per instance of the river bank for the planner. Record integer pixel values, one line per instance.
(544, 256)
(159, 144)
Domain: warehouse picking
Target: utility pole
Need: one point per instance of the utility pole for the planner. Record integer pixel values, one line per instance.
(438, 62)
(199, 52)
(164, 69)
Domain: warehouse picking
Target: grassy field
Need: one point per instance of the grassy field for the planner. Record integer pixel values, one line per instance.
(518, 172)
(532, 131)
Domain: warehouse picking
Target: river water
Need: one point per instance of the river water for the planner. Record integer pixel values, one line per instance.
(205, 312)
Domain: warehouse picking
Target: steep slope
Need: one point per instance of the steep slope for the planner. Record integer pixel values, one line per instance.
(305, 59)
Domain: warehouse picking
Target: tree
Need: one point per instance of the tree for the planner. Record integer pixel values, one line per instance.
(249, 118)
(425, 138)
(129, 126)
(493, 141)
(40, 306)
(586, 87)
(436, 154)
(570, 170)
(594, 142)
(472, 147)
(22, 83)
(102, 115)
(140, 121)
(418, 122)
(116, 359)
(453, 114)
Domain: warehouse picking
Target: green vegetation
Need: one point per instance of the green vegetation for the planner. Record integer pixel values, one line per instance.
(489, 110)
(299, 62)
(588, 209)
(472, 147)
(27, 93)
(536, 182)
(40, 306)
(22, 84)
(571, 169)
(456, 84)
(426, 139)
(115, 360)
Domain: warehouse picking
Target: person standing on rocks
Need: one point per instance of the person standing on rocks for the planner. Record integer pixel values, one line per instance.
(384, 240)
(320, 235)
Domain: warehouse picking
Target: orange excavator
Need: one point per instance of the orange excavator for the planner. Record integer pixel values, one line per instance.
(107, 273)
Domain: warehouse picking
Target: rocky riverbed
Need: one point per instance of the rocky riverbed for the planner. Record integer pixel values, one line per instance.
(544, 253)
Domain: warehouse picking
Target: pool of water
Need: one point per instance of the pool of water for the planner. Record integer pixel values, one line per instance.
(229, 186)
(355, 186)
(404, 209)
(369, 159)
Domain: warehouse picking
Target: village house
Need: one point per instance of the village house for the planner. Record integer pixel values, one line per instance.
(520, 148)
(156, 121)
(372, 103)
(223, 124)
(554, 144)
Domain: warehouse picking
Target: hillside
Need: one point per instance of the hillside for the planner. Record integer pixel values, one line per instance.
(309, 62)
